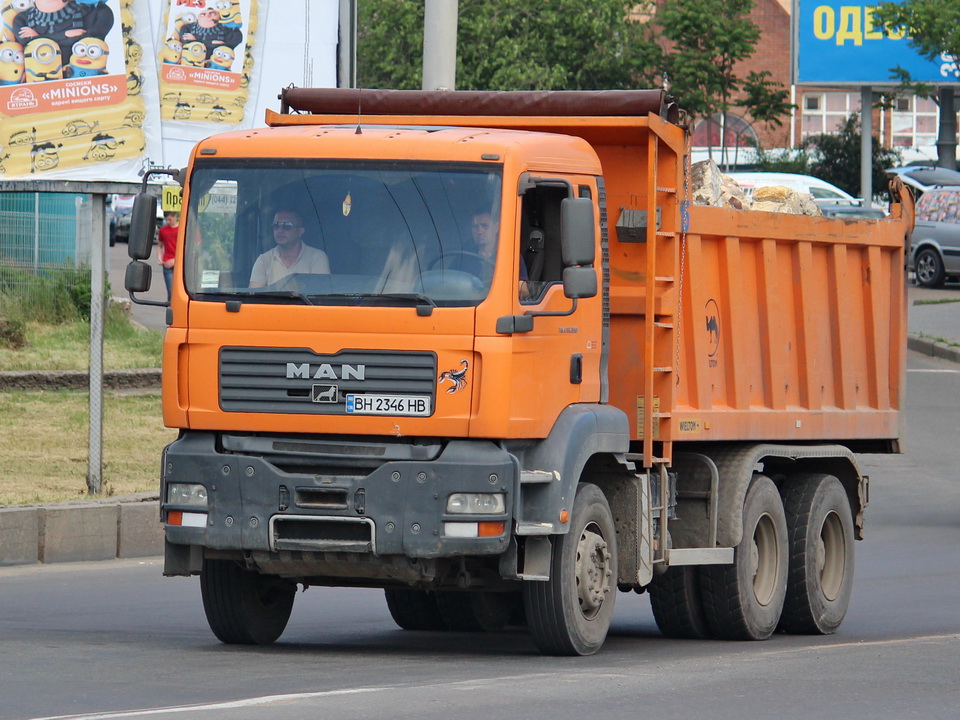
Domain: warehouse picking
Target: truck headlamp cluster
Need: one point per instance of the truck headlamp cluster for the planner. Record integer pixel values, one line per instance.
(187, 494)
(476, 504)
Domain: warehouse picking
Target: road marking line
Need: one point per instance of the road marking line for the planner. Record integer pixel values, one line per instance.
(932, 370)
(231, 705)
(920, 639)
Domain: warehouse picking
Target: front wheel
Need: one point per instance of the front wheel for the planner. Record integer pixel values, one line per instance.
(244, 607)
(820, 527)
(929, 268)
(570, 613)
(743, 601)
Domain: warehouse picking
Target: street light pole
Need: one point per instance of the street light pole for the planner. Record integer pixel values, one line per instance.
(440, 45)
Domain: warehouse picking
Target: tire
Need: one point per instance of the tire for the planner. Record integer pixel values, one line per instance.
(820, 534)
(570, 613)
(928, 266)
(677, 604)
(244, 607)
(743, 601)
(476, 611)
(414, 609)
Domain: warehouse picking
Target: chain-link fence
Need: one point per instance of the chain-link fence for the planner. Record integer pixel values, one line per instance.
(51, 270)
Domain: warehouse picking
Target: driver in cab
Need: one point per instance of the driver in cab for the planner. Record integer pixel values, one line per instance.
(291, 255)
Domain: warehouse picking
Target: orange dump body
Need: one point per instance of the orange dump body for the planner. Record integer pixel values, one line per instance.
(723, 324)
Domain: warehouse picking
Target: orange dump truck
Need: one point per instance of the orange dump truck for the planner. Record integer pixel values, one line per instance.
(478, 350)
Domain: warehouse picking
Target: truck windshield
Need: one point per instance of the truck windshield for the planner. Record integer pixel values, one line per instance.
(334, 233)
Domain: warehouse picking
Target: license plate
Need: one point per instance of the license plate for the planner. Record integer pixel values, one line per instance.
(388, 404)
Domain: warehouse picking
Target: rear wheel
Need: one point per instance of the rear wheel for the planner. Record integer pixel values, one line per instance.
(677, 604)
(244, 607)
(414, 609)
(743, 601)
(570, 613)
(929, 268)
(820, 531)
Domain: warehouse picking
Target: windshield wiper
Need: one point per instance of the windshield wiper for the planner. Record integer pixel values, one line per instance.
(424, 304)
(282, 294)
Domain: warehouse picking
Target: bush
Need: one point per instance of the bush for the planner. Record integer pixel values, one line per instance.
(54, 295)
(13, 333)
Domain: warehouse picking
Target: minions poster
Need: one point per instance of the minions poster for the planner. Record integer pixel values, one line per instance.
(205, 57)
(71, 81)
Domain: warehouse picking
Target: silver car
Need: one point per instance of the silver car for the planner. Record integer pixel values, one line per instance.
(935, 247)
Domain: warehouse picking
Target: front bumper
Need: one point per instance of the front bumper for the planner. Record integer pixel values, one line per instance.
(317, 494)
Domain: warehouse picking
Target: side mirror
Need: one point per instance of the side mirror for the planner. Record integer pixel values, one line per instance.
(143, 225)
(580, 282)
(578, 239)
(137, 277)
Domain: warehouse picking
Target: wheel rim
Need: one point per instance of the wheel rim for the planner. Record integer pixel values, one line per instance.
(926, 267)
(831, 557)
(765, 560)
(593, 571)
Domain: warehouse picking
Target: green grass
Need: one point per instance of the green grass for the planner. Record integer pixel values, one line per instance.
(47, 461)
(45, 434)
(66, 346)
(940, 301)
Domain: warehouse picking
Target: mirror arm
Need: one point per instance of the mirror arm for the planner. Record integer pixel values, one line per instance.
(545, 313)
(144, 301)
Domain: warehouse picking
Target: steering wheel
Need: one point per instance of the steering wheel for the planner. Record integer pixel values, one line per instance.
(447, 261)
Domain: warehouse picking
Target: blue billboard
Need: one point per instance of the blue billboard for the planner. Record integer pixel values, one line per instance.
(838, 42)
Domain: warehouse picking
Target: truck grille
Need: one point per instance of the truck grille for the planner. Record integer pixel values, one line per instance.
(300, 381)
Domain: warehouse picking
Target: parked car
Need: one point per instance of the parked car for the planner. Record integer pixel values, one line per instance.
(846, 210)
(924, 177)
(821, 190)
(119, 210)
(935, 245)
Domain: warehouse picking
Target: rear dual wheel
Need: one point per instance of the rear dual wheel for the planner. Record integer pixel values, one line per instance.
(743, 601)
(820, 532)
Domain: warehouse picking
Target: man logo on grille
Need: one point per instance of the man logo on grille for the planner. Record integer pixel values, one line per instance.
(325, 393)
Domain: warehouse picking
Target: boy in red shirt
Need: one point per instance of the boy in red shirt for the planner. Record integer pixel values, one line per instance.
(167, 238)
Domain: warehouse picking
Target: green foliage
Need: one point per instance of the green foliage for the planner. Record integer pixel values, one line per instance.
(790, 161)
(557, 45)
(837, 158)
(766, 98)
(13, 333)
(933, 26)
(708, 39)
(53, 295)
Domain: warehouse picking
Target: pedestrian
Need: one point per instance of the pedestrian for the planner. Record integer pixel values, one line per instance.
(167, 242)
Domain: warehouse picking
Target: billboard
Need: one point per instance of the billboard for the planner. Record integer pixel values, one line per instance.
(838, 42)
(103, 89)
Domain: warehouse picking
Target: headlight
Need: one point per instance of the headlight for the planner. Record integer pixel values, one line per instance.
(187, 494)
(475, 504)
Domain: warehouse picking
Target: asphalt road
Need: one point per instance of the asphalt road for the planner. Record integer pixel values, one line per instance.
(119, 639)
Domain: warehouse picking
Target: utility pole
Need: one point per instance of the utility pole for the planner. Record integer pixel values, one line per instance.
(947, 140)
(440, 45)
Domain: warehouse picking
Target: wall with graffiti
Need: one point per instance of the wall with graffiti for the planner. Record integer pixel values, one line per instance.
(102, 89)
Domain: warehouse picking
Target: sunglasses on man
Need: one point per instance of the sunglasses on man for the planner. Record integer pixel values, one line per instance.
(284, 226)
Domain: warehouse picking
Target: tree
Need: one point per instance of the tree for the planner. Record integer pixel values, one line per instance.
(707, 39)
(561, 44)
(836, 158)
(933, 29)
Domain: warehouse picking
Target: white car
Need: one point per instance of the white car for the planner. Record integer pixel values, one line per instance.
(821, 190)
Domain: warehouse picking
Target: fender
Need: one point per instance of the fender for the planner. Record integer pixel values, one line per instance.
(552, 467)
(736, 465)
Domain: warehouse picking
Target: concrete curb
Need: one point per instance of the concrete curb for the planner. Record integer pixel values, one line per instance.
(122, 527)
(934, 348)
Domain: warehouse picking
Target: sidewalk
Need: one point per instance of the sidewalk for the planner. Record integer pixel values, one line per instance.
(934, 321)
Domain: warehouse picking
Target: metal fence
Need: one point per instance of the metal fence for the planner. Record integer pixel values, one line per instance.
(45, 234)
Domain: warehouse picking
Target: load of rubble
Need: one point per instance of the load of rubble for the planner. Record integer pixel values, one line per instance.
(711, 187)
